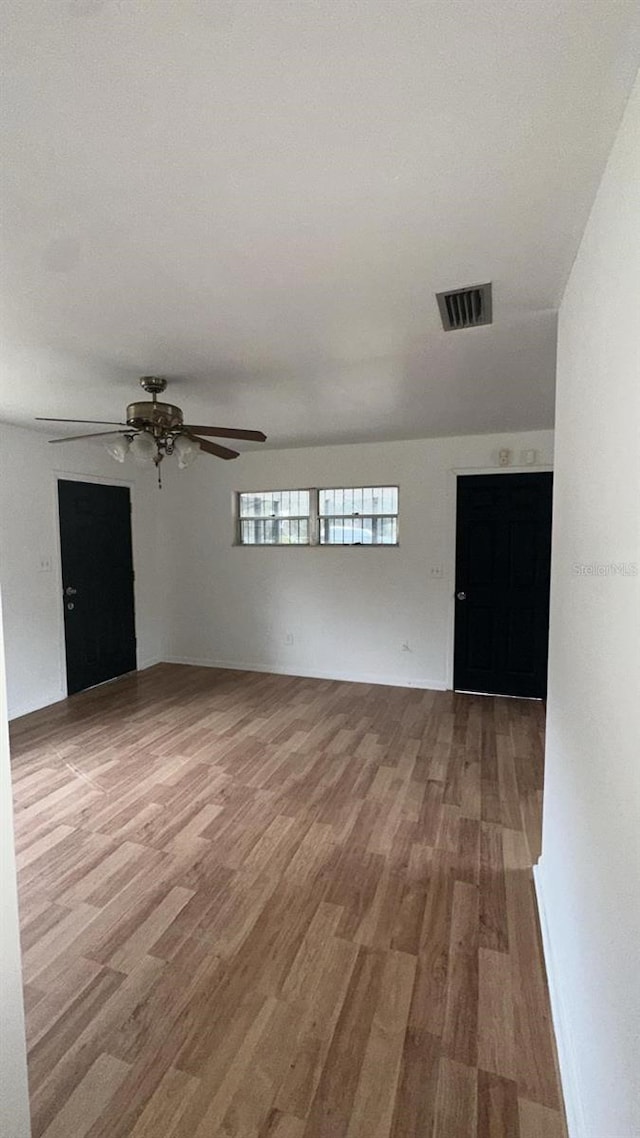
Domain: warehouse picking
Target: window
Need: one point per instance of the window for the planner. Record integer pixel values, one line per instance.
(360, 515)
(274, 517)
(356, 515)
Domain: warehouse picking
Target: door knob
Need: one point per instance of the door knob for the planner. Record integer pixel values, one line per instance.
(70, 591)
(462, 596)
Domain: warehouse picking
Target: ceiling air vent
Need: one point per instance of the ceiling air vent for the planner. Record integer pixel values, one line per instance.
(465, 307)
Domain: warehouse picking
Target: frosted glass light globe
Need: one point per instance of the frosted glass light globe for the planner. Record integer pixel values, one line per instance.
(143, 449)
(118, 448)
(186, 450)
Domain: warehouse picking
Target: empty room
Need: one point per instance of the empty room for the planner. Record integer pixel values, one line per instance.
(320, 569)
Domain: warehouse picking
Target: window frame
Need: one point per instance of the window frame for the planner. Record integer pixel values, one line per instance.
(314, 519)
(358, 544)
(239, 519)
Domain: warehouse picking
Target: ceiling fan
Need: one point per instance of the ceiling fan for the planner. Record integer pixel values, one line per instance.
(153, 429)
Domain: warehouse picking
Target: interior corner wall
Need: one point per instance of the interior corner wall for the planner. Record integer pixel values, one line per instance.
(588, 879)
(14, 1093)
(376, 615)
(33, 615)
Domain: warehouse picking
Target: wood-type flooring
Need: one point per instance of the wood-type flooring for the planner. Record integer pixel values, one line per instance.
(259, 906)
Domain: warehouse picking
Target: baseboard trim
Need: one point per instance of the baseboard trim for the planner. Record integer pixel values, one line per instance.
(576, 1120)
(304, 673)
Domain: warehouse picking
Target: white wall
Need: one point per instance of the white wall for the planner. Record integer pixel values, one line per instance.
(349, 610)
(589, 876)
(14, 1096)
(34, 633)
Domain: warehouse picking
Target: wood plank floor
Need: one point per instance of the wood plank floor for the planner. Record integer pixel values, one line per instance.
(264, 907)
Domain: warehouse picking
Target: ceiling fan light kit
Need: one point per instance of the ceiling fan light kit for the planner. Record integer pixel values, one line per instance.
(118, 448)
(144, 449)
(153, 430)
(187, 451)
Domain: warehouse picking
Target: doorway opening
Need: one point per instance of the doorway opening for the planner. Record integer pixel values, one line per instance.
(503, 563)
(97, 582)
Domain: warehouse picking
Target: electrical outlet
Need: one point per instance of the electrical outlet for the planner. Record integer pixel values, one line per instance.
(44, 565)
(288, 638)
(436, 572)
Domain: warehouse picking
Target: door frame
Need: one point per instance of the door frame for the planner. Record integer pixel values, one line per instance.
(454, 473)
(100, 480)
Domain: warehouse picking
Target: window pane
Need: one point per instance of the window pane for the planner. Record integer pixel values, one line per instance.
(274, 504)
(370, 530)
(274, 531)
(389, 532)
(359, 500)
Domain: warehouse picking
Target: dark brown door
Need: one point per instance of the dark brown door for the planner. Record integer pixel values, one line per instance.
(97, 582)
(503, 556)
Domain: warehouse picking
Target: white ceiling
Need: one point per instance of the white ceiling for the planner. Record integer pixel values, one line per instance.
(259, 198)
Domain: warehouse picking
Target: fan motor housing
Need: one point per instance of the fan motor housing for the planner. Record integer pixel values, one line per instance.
(165, 416)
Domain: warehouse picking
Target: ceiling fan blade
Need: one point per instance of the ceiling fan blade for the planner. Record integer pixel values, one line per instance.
(212, 448)
(228, 433)
(98, 422)
(93, 435)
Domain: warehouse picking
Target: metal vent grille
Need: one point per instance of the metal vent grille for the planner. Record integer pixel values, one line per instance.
(465, 307)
